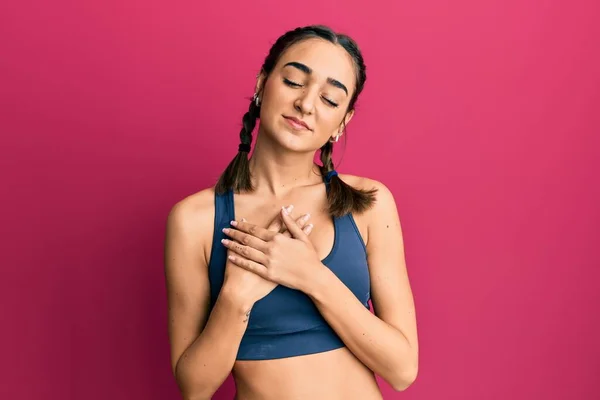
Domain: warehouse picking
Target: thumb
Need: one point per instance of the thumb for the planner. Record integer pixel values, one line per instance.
(277, 224)
(292, 227)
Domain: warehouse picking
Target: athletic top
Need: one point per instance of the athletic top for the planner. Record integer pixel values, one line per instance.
(286, 323)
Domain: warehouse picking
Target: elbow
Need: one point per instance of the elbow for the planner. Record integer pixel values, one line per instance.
(203, 393)
(404, 377)
(197, 396)
(190, 391)
(404, 381)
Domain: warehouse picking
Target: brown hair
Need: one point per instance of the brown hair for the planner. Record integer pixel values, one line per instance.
(341, 197)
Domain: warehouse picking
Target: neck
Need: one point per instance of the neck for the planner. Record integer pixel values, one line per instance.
(276, 171)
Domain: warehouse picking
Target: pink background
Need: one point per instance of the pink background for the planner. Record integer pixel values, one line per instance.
(483, 117)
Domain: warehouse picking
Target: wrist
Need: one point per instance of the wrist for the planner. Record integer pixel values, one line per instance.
(233, 301)
(319, 281)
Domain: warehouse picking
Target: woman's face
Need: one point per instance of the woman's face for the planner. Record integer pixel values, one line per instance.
(305, 98)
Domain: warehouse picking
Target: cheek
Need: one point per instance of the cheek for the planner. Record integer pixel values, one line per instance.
(273, 104)
(275, 92)
(269, 110)
(329, 122)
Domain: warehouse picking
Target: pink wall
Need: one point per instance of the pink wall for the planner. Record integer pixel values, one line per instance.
(481, 116)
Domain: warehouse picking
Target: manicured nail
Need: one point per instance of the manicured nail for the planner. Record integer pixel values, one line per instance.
(305, 218)
(233, 223)
(290, 208)
(225, 241)
(308, 228)
(226, 231)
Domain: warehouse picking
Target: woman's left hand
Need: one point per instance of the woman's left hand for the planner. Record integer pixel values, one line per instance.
(291, 262)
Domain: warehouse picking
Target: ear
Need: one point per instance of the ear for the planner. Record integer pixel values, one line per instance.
(260, 80)
(349, 116)
(343, 125)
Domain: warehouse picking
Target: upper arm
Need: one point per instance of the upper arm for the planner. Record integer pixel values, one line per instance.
(186, 275)
(390, 287)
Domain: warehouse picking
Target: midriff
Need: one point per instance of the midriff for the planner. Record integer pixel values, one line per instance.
(330, 375)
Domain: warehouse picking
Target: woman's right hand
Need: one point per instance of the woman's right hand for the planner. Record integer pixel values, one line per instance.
(245, 287)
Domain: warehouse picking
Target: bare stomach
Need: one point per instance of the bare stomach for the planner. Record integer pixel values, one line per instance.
(331, 375)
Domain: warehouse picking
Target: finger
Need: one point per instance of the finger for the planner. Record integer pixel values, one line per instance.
(246, 239)
(301, 222)
(249, 265)
(294, 229)
(245, 251)
(276, 224)
(308, 229)
(254, 230)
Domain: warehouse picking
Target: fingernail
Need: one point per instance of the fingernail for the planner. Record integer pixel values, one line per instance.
(233, 223)
(224, 241)
(309, 228)
(225, 230)
(290, 208)
(306, 217)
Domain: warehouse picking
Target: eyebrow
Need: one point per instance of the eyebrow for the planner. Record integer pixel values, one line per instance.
(308, 70)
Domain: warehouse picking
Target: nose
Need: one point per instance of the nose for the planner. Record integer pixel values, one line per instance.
(305, 103)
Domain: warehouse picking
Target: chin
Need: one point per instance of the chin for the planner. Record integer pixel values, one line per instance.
(291, 141)
(287, 137)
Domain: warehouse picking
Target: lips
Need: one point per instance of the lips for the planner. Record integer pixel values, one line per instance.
(297, 123)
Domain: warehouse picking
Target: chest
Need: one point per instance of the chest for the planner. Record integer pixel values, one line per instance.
(264, 214)
(285, 310)
(339, 244)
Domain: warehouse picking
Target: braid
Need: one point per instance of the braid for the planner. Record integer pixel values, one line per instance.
(341, 197)
(237, 174)
(248, 123)
(326, 159)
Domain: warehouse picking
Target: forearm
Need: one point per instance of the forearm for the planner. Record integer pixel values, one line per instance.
(205, 365)
(380, 346)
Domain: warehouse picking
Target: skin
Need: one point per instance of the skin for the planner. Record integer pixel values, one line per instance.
(203, 347)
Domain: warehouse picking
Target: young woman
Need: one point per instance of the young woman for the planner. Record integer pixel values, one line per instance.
(253, 287)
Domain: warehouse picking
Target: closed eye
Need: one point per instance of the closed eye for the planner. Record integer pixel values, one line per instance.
(291, 83)
(331, 103)
(297, 85)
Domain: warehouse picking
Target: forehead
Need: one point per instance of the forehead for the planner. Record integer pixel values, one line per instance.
(327, 60)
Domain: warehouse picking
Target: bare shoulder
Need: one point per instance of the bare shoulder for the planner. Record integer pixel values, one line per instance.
(383, 210)
(194, 205)
(384, 199)
(191, 219)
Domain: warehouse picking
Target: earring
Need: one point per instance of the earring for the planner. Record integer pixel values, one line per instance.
(256, 99)
(335, 140)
